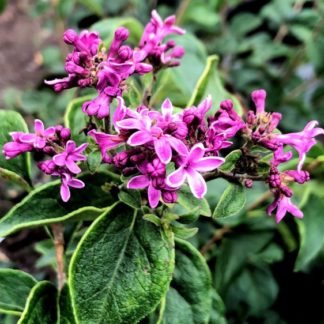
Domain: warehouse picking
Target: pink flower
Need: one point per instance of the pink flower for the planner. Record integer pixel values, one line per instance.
(163, 143)
(283, 205)
(303, 141)
(67, 182)
(258, 97)
(39, 138)
(106, 142)
(192, 164)
(15, 148)
(70, 155)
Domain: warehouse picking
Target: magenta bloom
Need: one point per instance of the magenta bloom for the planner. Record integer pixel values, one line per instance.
(258, 97)
(283, 205)
(106, 142)
(67, 182)
(151, 44)
(163, 143)
(98, 106)
(70, 156)
(303, 141)
(15, 148)
(192, 164)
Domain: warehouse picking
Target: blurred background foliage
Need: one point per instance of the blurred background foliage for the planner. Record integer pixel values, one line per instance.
(263, 273)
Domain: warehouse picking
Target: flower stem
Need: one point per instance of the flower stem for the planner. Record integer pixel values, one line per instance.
(218, 235)
(58, 234)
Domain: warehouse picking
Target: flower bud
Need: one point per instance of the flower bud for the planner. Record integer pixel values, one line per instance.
(258, 97)
(248, 183)
(65, 134)
(121, 159)
(125, 52)
(121, 34)
(47, 167)
(169, 197)
(70, 36)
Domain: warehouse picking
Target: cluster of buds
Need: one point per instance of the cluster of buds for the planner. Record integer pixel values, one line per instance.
(90, 65)
(55, 143)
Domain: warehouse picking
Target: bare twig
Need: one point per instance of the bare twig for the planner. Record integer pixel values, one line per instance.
(218, 235)
(59, 251)
(181, 10)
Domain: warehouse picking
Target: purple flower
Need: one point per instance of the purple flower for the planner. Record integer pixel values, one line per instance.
(151, 44)
(303, 141)
(98, 106)
(196, 115)
(163, 143)
(283, 205)
(258, 97)
(226, 120)
(70, 155)
(191, 166)
(106, 142)
(67, 182)
(15, 148)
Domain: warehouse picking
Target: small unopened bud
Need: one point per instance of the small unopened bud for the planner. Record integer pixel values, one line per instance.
(121, 34)
(65, 134)
(169, 197)
(125, 52)
(48, 150)
(258, 97)
(248, 183)
(70, 36)
(120, 159)
(47, 166)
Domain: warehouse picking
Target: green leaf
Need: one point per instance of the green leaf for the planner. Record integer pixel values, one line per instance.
(183, 232)
(310, 232)
(190, 203)
(17, 169)
(15, 286)
(153, 219)
(217, 315)
(231, 202)
(130, 197)
(41, 306)
(107, 27)
(230, 161)
(210, 83)
(65, 307)
(189, 298)
(45, 206)
(94, 161)
(94, 6)
(76, 120)
(121, 268)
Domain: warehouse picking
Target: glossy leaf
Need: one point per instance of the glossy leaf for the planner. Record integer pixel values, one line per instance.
(18, 168)
(44, 205)
(41, 306)
(189, 298)
(121, 269)
(65, 307)
(231, 202)
(15, 286)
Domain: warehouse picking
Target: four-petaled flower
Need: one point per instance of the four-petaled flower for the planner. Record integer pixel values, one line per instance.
(67, 182)
(192, 164)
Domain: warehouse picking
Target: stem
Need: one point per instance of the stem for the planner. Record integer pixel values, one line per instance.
(182, 9)
(233, 177)
(148, 91)
(107, 124)
(218, 235)
(57, 230)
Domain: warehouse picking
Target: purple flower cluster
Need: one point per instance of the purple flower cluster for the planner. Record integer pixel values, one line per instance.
(54, 142)
(148, 140)
(90, 65)
(261, 128)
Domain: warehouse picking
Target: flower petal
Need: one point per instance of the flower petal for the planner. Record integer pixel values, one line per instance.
(59, 159)
(76, 183)
(72, 166)
(65, 192)
(176, 178)
(197, 184)
(138, 182)
(167, 108)
(139, 138)
(196, 153)
(178, 145)
(163, 149)
(129, 123)
(207, 163)
(153, 196)
(38, 127)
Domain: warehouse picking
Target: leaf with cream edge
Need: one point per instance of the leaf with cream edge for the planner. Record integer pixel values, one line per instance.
(41, 306)
(127, 283)
(210, 83)
(15, 286)
(44, 205)
(189, 298)
(17, 169)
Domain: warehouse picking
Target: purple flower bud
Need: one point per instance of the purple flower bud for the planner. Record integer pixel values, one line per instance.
(258, 97)
(138, 158)
(121, 34)
(156, 168)
(189, 115)
(70, 36)
(49, 150)
(248, 183)
(226, 105)
(65, 134)
(58, 128)
(125, 52)
(121, 159)
(178, 130)
(169, 197)
(158, 182)
(48, 167)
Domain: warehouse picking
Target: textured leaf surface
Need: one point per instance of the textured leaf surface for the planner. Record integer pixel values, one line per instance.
(44, 205)
(231, 202)
(41, 306)
(65, 307)
(17, 169)
(311, 232)
(15, 286)
(121, 268)
(210, 83)
(189, 299)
